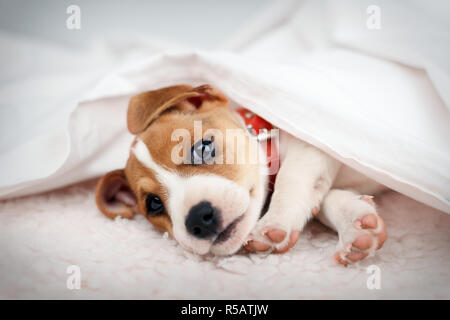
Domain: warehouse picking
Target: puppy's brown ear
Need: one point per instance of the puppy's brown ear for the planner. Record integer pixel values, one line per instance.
(147, 106)
(114, 196)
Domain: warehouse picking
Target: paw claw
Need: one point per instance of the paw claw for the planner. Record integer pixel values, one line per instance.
(348, 247)
(315, 211)
(368, 199)
(339, 259)
(264, 231)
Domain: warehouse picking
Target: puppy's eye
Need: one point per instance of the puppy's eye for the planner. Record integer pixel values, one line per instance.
(203, 151)
(154, 205)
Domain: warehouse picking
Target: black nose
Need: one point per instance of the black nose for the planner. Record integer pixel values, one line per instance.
(202, 220)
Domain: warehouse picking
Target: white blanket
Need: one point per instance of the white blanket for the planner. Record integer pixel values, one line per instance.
(375, 99)
(43, 236)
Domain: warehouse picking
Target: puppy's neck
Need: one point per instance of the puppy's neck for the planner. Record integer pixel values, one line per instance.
(263, 192)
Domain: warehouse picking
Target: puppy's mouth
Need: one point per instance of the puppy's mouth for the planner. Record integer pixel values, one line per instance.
(226, 233)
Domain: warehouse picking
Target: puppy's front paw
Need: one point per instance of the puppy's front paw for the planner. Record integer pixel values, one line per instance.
(361, 238)
(269, 236)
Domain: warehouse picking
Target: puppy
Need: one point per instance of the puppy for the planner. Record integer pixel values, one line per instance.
(218, 180)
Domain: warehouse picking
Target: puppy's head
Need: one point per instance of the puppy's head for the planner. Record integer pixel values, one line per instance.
(191, 171)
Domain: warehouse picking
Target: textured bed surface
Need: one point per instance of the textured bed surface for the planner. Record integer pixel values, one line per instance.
(41, 235)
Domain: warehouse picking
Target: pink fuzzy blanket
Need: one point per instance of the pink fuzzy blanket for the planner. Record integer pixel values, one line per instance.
(42, 235)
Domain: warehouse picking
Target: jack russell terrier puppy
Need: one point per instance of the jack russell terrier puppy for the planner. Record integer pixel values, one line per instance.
(182, 175)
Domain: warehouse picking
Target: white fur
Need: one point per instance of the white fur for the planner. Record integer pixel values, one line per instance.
(303, 184)
(340, 210)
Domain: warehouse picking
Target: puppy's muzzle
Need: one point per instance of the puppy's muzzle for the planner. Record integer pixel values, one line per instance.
(203, 220)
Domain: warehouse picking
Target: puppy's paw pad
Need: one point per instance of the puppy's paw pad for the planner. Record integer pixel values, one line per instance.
(272, 239)
(361, 241)
(293, 238)
(256, 246)
(369, 221)
(345, 258)
(281, 240)
(274, 235)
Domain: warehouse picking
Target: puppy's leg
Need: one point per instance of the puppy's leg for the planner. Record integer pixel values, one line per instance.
(305, 176)
(361, 231)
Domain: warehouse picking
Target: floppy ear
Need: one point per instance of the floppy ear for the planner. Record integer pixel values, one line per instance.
(114, 196)
(147, 106)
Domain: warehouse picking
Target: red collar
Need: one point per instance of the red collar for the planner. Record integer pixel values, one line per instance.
(260, 128)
